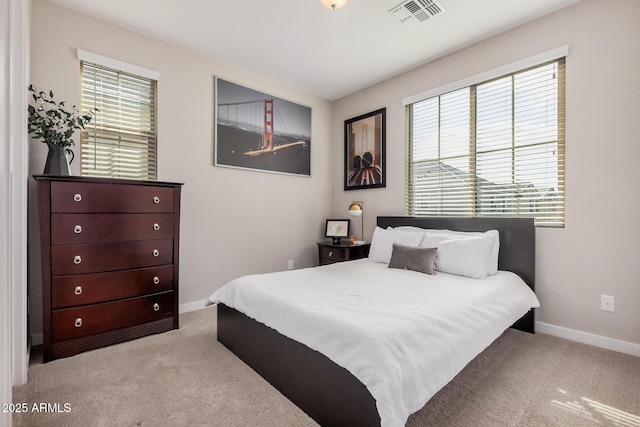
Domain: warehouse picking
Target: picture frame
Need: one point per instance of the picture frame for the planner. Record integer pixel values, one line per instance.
(258, 131)
(337, 229)
(364, 151)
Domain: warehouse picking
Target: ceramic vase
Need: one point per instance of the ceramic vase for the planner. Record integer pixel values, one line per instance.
(57, 160)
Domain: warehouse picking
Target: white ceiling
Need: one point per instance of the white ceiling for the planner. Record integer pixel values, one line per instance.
(328, 53)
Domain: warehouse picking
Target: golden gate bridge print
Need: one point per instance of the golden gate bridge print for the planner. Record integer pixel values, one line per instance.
(264, 133)
(267, 137)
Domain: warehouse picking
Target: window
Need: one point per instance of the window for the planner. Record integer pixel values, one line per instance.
(495, 148)
(121, 141)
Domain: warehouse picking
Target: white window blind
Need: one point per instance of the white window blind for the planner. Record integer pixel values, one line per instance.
(495, 148)
(121, 141)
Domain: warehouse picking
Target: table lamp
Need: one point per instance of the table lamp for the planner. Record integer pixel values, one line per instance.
(357, 209)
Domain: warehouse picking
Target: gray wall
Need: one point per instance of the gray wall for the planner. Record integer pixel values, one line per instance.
(599, 249)
(234, 222)
(239, 222)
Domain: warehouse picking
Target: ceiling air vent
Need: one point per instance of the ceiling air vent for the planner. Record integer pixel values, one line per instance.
(414, 12)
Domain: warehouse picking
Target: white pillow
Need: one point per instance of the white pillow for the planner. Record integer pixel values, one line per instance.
(493, 235)
(466, 256)
(383, 240)
(412, 229)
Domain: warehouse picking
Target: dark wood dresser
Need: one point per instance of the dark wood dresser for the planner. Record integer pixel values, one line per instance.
(110, 252)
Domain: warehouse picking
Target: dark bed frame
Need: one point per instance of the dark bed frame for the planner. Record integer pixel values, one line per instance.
(328, 393)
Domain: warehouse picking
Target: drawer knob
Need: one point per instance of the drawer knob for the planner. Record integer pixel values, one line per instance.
(156, 252)
(78, 322)
(156, 199)
(77, 259)
(78, 290)
(77, 197)
(77, 229)
(330, 253)
(156, 307)
(156, 226)
(156, 280)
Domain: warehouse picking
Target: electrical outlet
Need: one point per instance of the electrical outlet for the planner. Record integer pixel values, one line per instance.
(607, 303)
(290, 265)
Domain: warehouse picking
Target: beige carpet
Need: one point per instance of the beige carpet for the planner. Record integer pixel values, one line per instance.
(186, 378)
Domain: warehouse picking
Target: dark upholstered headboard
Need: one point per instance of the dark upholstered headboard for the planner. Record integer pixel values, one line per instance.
(517, 243)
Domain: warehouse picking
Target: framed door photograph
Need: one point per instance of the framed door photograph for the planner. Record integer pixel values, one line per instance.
(364, 151)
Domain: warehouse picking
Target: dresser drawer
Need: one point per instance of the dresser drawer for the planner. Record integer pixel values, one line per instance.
(99, 197)
(92, 228)
(99, 257)
(335, 254)
(93, 319)
(69, 291)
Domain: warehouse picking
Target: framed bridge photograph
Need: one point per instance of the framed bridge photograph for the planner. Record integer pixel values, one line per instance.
(258, 131)
(364, 151)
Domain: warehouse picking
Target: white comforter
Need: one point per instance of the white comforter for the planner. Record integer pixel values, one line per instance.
(403, 334)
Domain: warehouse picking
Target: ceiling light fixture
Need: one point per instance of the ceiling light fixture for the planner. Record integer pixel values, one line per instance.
(333, 4)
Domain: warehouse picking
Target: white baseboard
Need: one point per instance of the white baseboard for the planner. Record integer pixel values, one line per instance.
(587, 338)
(192, 306)
(545, 328)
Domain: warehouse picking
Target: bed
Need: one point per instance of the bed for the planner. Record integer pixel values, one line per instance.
(319, 384)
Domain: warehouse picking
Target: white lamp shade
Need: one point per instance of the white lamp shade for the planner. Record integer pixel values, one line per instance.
(355, 208)
(333, 4)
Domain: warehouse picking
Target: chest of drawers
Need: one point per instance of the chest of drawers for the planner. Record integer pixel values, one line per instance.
(110, 259)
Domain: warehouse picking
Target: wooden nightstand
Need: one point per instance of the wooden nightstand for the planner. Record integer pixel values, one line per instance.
(328, 253)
